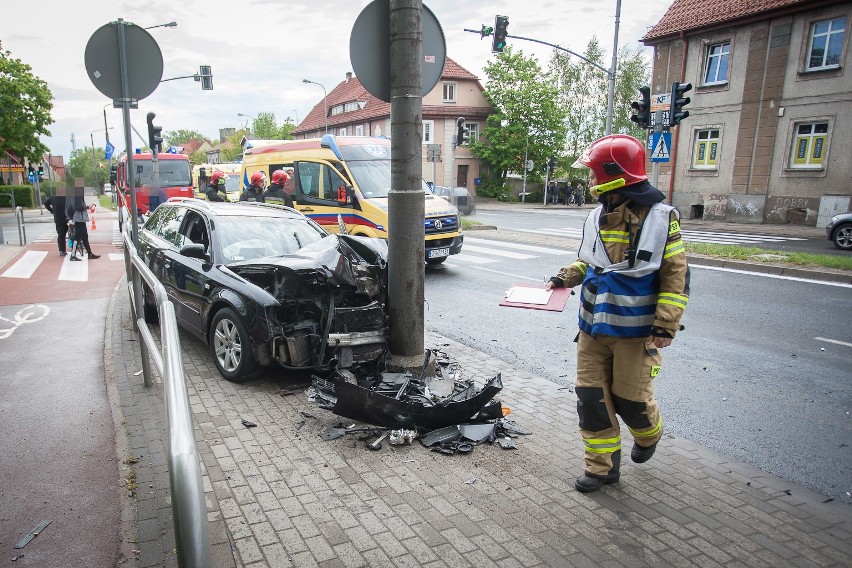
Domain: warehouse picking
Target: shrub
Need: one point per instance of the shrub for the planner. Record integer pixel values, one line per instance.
(23, 195)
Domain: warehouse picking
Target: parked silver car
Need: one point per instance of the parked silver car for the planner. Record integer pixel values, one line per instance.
(839, 231)
(460, 197)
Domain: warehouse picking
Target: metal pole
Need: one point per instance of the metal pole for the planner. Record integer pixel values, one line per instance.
(546, 181)
(610, 100)
(94, 164)
(325, 106)
(526, 167)
(655, 166)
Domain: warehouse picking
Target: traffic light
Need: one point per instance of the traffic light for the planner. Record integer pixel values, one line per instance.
(643, 108)
(206, 76)
(551, 164)
(485, 31)
(155, 139)
(678, 102)
(501, 23)
(41, 170)
(463, 134)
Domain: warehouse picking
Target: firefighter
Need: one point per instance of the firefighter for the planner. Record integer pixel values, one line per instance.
(254, 192)
(280, 189)
(215, 190)
(635, 286)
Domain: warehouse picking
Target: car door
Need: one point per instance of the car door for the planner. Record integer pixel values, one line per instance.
(168, 231)
(189, 275)
(318, 185)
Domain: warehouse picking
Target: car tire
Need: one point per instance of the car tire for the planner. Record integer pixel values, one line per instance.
(435, 261)
(842, 237)
(231, 347)
(149, 308)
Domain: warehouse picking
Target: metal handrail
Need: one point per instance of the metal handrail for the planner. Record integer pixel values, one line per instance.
(189, 509)
(19, 218)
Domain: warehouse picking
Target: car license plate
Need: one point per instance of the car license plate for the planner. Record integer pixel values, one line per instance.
(439, 253)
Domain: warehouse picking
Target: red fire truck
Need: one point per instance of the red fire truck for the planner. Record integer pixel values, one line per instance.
(175, 181)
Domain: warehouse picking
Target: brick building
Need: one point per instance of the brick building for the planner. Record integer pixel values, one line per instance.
(767, 139)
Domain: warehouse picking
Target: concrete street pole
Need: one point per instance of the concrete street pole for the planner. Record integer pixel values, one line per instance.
(406, 202)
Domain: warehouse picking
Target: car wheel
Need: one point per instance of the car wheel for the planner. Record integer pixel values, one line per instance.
(436, 260)
(149, 308)
(230, 346)
(843, 237)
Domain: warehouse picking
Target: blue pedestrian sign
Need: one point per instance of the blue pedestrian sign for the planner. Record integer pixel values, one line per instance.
(661, 144)
(108, 151)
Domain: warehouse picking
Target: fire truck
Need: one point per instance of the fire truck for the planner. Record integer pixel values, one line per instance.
(175, 181)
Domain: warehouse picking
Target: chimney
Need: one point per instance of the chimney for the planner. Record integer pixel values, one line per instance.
(348, 76)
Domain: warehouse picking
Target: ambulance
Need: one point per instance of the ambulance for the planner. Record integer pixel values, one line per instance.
(202, 172)
(350, 177)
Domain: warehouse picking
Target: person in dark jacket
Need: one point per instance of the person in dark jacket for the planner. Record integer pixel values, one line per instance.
(78, 212)
(215, 190)
(280, 190)
(254, 192)
(56, 205)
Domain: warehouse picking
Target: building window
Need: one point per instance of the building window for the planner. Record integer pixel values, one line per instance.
(350, 106)
(337, 109)
(809, 145)
(342, 131)
(706, 149)
(428, 131)
(473, 128)
(716, 71)
(359, 130)
(826, 42)
(449, 92)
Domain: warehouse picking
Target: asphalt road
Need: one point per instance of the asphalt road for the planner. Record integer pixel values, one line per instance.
(749, 377)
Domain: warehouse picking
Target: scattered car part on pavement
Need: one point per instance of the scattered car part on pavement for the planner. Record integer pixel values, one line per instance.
(32, 534)
(248, 424)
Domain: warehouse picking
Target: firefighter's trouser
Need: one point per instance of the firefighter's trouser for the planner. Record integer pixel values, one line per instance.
(615, 376)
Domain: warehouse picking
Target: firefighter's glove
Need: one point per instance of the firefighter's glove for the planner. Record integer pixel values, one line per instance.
(557, 282)
(660, 332)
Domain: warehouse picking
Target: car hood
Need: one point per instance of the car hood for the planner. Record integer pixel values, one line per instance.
(335, 260)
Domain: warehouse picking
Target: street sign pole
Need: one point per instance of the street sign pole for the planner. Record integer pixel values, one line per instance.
(658, 128)
(526, 168)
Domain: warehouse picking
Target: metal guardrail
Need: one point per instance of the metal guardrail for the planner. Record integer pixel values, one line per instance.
(19, 219)
(189, 510)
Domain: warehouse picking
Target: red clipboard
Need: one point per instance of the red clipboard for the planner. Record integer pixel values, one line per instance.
(557, 301)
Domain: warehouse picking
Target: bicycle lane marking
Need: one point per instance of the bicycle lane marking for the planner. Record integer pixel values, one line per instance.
(27, 314)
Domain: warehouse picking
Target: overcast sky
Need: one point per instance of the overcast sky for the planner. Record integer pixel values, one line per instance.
(260, 50)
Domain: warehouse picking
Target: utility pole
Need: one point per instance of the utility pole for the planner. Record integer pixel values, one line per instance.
(610, 100)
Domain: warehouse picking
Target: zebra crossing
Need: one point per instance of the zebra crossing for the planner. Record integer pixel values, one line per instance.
(29, 263)
(712, 237)
(485, 251)
(50, 236)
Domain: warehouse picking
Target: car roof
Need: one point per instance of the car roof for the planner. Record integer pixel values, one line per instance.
(219, 209)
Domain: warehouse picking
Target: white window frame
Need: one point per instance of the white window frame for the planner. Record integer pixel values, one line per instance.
(428, 132)
(809, 149)
(834, 29)
(351, 106)
(452, 88)
(706, 147)
(359, 130)
(709, 58)
(341, 131)
(336, 109)
(473, 130)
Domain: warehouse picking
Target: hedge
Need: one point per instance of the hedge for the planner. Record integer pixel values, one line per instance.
(23, 195)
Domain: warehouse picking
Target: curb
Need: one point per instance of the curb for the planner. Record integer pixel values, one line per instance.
(790, 271)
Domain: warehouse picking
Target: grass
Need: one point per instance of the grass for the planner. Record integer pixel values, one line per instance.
(754, 254)
(466, 224)
(105, 202)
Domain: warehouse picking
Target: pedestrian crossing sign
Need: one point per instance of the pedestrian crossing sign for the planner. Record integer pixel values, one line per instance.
(661, 143)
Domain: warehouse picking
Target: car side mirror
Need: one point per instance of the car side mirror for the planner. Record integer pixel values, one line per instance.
(194, 250)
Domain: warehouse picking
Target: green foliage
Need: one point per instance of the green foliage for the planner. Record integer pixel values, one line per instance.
(198, 157)
(527, 118)
(754, 254)
(23, 195)
(25, 105)
(494, 187)
(82, 164)
(232, 150)
(264, 127)
(182, 136)
(585, 90)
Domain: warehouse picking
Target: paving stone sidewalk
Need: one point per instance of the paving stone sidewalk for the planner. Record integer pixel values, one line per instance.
(280, 496)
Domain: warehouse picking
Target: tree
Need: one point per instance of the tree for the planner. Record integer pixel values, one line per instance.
(182, 136)
(82, 164)
(527, 120)
(585, 89)
(264, 127)
(26, 103)
(232, 150)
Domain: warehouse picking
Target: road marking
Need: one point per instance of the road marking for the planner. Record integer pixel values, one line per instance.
(836, 342)
(518, 246)
(553, 232)
(116, 256)
(496, 252)
(473, 259)
(452, 265)
(26, 265)
(695, 264)
(26, 314)
(74, 271)
(743, 235)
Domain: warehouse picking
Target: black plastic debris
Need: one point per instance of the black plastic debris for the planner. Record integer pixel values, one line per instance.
(440, 436)
(508, 427)
(507, 443)
(333, 434)
(479, 433)
(248, 424)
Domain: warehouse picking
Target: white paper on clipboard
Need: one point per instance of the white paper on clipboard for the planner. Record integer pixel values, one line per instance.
(536, 296)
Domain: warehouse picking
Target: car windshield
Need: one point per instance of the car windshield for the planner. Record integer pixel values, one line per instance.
(370, 165)
(173, 173)
(247, 238)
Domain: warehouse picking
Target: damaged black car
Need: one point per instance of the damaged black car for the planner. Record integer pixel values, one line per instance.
(263, 285)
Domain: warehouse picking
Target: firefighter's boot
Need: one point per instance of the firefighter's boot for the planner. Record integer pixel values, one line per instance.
(587, 483)
(640, 454)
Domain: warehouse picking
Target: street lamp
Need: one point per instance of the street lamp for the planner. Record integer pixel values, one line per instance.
(169, 25)
(324, 100)
(94, 161)
(247, 116)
